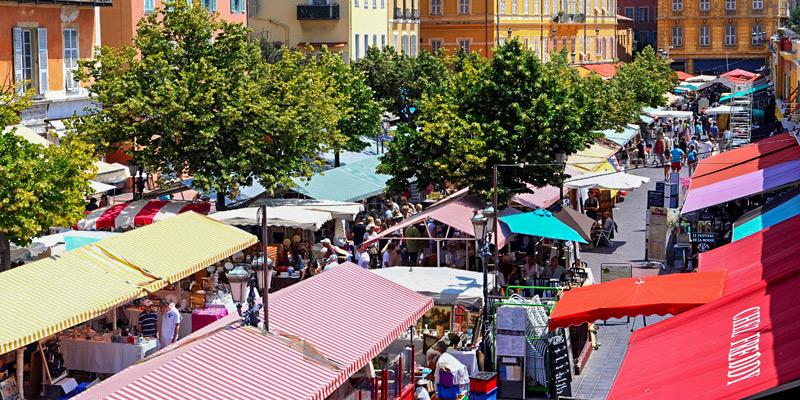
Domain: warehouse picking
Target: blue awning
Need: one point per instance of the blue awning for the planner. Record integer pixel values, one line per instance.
(745, 92)
(352, 182)
(621, 138)
(778, 210)
(647, 119)
(541, 223)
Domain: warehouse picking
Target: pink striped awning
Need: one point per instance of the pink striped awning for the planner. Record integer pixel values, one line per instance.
(322, 330)
(138, 213)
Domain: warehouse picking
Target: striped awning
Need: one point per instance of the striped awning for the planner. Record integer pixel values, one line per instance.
(54, 294)
(138, 213)
(322, 331)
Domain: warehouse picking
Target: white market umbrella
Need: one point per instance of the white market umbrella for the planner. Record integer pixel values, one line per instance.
(606, 180)
(286, 216)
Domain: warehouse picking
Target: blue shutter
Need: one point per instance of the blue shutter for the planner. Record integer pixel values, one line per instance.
(213, 5)
(234, 6)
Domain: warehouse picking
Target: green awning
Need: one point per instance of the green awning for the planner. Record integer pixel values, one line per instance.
(352, 182)
(745, 92)
(621, 138)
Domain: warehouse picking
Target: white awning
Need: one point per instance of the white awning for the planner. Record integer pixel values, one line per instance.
(27, 134)
(290, 217)
(99, 187)
(447, 286)
(606, 180)
(338, 209)
(670, 114)
(111, 173)
(723, 110)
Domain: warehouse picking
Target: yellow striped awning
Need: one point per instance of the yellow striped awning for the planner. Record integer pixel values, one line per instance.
(53, 294)
(592, 157)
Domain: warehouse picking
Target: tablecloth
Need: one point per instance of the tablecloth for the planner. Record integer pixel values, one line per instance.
(468, 358)
(205, 316)
(103, 357)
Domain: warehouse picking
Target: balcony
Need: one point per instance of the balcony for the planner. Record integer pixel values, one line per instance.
(730, 13)
(563, 18)
(705, 13)
(398, 13)
(406, 13)
(307, 12)
(415, 14)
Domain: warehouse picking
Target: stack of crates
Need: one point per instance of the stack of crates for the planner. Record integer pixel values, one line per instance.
(448, 388)
(483, 386)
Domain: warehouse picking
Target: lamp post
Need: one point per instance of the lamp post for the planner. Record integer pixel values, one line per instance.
(561, 158)
(385, 131)
(479, 223)
(509, 33)
(573, 57)
(237, 279)
(555, 39)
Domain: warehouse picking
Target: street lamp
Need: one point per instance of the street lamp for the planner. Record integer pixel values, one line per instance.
(385, 130)
(561, 159)
(509, 33)
(479, 224)
(237, 279)
(573, 57)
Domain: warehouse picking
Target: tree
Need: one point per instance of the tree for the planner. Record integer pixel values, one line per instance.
(194, 96)
(42, 186)
(641, 83)
(510, 110)
(794, 20)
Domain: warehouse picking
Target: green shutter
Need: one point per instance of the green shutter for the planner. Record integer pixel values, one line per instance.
(213, 5)
(234, 6)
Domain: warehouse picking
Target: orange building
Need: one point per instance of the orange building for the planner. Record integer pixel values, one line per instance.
(41, 44)
(119, 22)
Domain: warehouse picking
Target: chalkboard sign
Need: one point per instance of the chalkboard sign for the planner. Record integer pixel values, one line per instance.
(54, 361)
(655, 199)
(660, 186)
(559, 366)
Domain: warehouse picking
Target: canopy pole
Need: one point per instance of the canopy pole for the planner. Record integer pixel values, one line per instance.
(267, 275)
(20, 371)
(114, 319)
(438, 254)
(495, 229)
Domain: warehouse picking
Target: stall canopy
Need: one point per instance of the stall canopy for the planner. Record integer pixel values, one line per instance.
(540, 198)
(446, 286)
(746, 92)
(137, 213)
(669, 113)
(593, 157)
(661, 295)
(99, 187)
(621, 138)
(455, 211)
(72, 240)
(27, 134)
(352, 182)
(723, 110)
(778, 210)
(748, 170)
(321, 332)
(111, 173)
(683, 76)
(606, 180)
(56, 293)
(338, 209)
(579, 222)
(699, 78)
(286, 216)
(731, 348)
(541, 223)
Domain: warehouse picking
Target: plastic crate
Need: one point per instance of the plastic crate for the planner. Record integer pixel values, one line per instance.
(483, 382)
(448, 392)
(447, 378)
(483, 396)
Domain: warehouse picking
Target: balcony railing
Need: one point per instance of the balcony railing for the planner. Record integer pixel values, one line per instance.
(308, 12)
(730, 13)
(406, 13)
(569, 18)
(705, 13)
(414, 14)
(398, 13)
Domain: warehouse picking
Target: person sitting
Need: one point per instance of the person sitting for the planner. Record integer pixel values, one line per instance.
(530, 269)
(554, 270)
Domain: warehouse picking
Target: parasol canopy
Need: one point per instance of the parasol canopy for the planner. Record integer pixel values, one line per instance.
(541, 223)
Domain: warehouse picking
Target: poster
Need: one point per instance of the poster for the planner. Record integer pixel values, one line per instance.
(610, 272)
(9, 390)
(436, 317)
(508, 345)
(657, 234)
(703, 242)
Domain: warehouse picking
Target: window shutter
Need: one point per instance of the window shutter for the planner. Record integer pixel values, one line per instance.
(213, 5)
(18, 59)
(234, 6)
(44, 83)
(242, 5)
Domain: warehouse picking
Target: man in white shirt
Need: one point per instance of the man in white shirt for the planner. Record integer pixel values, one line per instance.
(170, 324)
(363, 259)
(554, 270)
(387, 256)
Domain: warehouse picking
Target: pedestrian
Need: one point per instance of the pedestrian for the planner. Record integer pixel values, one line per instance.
(677, 158)
(148, 320)
(658, 150)
(103, 201)
(170, 323)
(713, 131)
(591, 205)
(363, 258)
(387, 255)
(92, 205)
(640, 154)
(358, 232)
(412, 245)
(371, 248)
(691, 159)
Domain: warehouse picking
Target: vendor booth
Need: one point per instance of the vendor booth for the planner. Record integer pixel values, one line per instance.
(137, 213)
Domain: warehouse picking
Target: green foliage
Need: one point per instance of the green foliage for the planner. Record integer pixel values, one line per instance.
(201, 100)
(512, 109)
(794, 20)
(42, 186)
(641, 83)
(270, 51)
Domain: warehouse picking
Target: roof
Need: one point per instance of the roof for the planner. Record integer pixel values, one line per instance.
(739, 73)
(84, 283)
(281, 216)
(352, 182)
(312, 348)
(682, 76)
(606, 180)
(778, 210)
(606, 70)
(733, 347)
(446, 286)
(27, 134)
(592, 157)
(623, 137)
(338, 209)
(540, 198)
(629, 297)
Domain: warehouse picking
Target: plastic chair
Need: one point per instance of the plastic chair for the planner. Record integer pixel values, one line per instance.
(603, 234)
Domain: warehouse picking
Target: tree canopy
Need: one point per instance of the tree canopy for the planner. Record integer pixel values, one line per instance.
(640, 83)
(42, 186)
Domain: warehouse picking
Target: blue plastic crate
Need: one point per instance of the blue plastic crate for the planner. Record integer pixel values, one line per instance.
(483, 396)
(448, 392)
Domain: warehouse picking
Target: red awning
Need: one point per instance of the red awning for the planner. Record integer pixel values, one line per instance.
(731, 348)
(739, 73)
(661, 295)
(682, 76)
(138, 213)
(768, 255)
(323, 330)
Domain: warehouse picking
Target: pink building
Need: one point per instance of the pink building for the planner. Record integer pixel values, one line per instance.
(644, 14)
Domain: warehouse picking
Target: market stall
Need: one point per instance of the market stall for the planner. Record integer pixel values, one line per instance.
(137, 213)
(776, 210)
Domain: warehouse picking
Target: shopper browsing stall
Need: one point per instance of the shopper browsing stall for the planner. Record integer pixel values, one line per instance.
(170, 324)
(148, 320)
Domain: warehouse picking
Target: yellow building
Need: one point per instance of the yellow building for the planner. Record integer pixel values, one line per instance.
(713, 37)
(404, 25)
(785, 65)
(586, 28)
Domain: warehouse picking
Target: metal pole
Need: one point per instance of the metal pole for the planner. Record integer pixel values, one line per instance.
(495, 230)
(20, 371)
(265, 265)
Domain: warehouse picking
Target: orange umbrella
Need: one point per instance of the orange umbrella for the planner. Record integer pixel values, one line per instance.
(665, 294)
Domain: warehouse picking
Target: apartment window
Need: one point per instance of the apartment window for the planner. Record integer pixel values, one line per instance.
(463, 44)
(526, 7)
(572, 45)
(355, 3)
(564, 42)
(629, 12)
(653, 38)
(730, 4)
(435, 46)
(30, 59)
(405, 43)
(677, 36)
(730, 35)
(536, 45)
(436, 7)
(149, 6)
(526, 43)
(383, 4)
(643, 39)
(210, 5)
(463, 6)
(758, 4)
(358, 49)
(536, 7)
(366, 44)
(374, 4)
(758, 35)
(375, 39)
(597, 45)
(546, 7)
(413, 45)
(70, 59)
(642, 14)
(514, 7)
(705, 5)
(677, 5)
(396, 42)
(237, 6)
(502, 7)
(705, 36)
(383, 40)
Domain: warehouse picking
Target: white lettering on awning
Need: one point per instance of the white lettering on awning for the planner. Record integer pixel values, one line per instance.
(744, 355)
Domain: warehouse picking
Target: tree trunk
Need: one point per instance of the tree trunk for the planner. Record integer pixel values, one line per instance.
(336, 159)
(221, 202)
(5, 252)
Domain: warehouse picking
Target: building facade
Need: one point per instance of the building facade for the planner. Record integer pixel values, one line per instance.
(39, 49)
(713, 37)
(349, 28)
(121, 19)
(644, 16)
(587, 28)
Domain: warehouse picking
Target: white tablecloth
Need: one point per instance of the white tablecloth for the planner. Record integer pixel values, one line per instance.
(468, 358)
(103, 357)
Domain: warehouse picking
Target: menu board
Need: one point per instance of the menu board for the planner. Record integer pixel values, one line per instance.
(657, 234)
(559, 366)
(655, 198)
